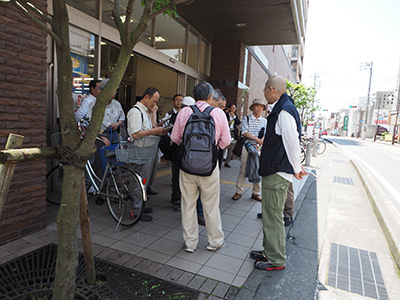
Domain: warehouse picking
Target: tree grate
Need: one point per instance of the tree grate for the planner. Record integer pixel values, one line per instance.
(344, 180)
(31, 276)
(356, 271)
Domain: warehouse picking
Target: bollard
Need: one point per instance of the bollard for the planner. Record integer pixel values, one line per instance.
(314, 148)
(308, 154)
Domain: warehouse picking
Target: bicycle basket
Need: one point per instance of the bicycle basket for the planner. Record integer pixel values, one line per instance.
(140, 151)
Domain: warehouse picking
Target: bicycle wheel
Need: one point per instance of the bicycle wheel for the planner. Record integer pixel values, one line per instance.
(124, 195)
(54, 180)
(303, 155)
(320, 147)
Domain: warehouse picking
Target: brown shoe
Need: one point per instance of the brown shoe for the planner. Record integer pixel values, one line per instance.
(256, 197)
(236, 196)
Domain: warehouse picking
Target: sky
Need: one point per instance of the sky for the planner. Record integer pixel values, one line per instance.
(340, 36)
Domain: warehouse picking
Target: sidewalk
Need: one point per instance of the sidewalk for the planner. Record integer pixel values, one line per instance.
(156, 248)
(328, 214)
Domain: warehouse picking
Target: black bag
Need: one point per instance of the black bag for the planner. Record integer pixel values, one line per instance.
(199, 150)
(237, 149)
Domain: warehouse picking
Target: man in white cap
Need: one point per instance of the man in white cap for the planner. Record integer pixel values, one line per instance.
(253, 129)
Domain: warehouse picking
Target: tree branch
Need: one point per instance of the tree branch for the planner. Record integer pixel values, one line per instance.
(40, 14)
(25, 12)
(141, 27)
(128, 17)
(169, 6)
(116, 13)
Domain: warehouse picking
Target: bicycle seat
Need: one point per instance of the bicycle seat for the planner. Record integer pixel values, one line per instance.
(108, 154)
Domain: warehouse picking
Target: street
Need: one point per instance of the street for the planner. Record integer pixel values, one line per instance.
(382, 160)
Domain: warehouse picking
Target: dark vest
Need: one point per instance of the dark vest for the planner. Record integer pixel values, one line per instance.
(273, 157)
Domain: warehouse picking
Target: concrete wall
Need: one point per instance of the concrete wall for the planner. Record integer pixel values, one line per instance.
(23, 111)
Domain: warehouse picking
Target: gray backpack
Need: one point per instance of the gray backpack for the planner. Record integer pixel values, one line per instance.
(199, 151)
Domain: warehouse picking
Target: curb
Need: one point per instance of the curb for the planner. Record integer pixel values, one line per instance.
(393, 242)
(393, 246)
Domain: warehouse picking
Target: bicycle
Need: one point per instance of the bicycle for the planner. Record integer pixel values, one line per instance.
(123, 188)
(320, 145)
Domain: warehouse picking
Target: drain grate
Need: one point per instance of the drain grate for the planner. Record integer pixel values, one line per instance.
(344, 180)
(31, 276)
(356, 271)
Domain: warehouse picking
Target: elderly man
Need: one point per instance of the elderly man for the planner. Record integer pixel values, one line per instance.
(141, 123)
(253, 128)
(279, 162)
(209, 186)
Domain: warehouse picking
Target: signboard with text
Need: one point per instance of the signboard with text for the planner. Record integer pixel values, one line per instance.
(345, 123)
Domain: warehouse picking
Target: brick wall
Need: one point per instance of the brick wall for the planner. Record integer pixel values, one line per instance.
(227, 68)
(23, 111)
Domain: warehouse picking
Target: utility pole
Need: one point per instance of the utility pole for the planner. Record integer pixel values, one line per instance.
(369, 90)
(397, 113)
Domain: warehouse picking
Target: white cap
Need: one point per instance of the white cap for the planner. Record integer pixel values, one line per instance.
(103, 83)
(188, 101)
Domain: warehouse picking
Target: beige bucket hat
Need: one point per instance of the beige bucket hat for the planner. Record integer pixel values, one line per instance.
(258, 101)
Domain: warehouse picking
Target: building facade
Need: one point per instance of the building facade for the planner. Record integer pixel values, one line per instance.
(174, 54)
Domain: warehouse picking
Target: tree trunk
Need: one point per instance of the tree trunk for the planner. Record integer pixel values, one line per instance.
(67, 224)
(68, 214)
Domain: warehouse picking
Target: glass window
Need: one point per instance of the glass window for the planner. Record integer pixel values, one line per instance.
(190, 84)
(109, 57)
(82, 55)
(170, 37)
(108, 7)
(192, 50)
(88, 6)
(204, 57)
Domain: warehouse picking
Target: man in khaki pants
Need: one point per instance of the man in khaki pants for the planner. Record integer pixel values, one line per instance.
(252, 125)
(279, 163)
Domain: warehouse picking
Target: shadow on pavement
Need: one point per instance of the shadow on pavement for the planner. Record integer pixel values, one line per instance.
(299, 279)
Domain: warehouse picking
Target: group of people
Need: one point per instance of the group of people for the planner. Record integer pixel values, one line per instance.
(274, 138)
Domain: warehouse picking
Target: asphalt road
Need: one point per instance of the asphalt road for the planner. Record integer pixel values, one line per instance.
(381, 159)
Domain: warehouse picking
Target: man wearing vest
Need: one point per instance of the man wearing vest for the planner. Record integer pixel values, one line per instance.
(208, 186)
(142, 122)
(279, 162)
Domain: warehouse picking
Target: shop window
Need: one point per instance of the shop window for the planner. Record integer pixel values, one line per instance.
(192, 50)
(82, 55)
(170, 37)
(88, 6)
(107, 17)
(190, 84)
(205, 57)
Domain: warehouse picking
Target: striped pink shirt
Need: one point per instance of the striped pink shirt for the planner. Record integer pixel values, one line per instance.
(222, 134)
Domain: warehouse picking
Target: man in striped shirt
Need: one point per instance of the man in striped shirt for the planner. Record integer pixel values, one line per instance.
(253, 127)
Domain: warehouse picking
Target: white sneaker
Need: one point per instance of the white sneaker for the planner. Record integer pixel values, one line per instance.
(213, 248)
(190, 250)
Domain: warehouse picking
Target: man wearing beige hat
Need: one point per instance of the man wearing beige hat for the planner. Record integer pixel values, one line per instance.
(253, 128)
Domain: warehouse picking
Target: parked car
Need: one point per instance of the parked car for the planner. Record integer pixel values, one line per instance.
(324, 132)
(381, 130)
